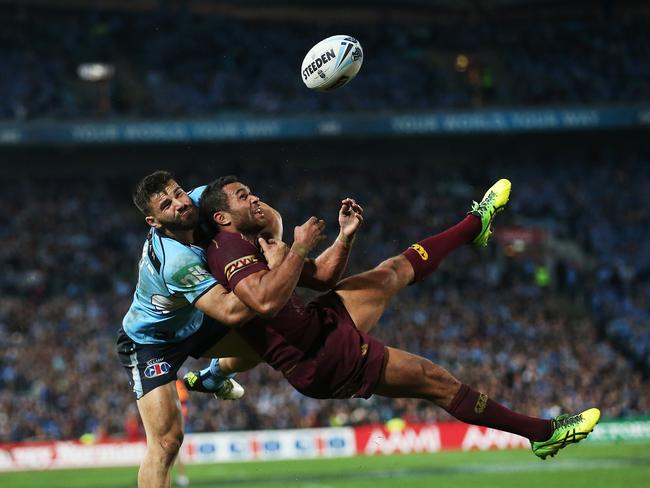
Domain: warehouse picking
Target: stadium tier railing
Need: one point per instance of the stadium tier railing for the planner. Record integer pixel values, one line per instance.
(242, 128)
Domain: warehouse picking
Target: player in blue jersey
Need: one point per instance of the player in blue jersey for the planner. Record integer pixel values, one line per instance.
(180, 310)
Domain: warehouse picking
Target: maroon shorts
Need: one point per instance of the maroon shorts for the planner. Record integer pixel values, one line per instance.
(344, 363)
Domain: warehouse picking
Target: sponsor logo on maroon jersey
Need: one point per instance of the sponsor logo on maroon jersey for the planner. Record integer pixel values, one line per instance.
(238, 264)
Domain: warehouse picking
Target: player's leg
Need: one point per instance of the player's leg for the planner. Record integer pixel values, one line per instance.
(181, 478)
(163, 425)
(230, 355)
(181, 473)
(151, 370)
(407, 375)
(232, 345)
(366, 295)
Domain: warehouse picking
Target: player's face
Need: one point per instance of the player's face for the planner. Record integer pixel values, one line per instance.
(245, 211)
(172, 209)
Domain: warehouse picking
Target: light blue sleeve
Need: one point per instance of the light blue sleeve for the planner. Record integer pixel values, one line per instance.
(196, 193)
(186, 272)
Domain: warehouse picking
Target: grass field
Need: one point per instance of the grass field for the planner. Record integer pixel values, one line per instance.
(584, 466)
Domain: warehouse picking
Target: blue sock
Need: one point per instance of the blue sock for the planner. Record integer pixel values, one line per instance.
(212, 378)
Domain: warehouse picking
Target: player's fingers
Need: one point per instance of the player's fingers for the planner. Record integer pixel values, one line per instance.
(271, 242)
(263, 243)
(357, 208)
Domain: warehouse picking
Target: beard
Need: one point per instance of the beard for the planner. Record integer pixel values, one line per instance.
(186, 221)
(247, 224)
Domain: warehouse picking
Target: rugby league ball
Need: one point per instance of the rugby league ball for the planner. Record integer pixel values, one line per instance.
(332, 63)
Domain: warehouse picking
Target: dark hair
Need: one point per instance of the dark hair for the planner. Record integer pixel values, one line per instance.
(214, 199)
(149, 186)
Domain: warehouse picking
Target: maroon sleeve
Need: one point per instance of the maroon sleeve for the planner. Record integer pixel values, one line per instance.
(231, 258)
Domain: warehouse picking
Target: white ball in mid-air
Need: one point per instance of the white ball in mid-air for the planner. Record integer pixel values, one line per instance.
(332, 63)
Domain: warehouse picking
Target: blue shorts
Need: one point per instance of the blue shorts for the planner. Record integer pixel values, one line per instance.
(152, 365)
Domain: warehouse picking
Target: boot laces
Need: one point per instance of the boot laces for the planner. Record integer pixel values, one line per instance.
(567, 420)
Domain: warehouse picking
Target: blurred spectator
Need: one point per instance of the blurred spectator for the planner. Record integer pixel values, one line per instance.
(175, 64)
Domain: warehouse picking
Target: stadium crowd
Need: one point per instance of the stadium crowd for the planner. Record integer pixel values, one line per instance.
(549, 326)
(177, 64)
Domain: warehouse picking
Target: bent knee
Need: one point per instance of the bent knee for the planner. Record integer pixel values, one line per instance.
(169, 444)
(393, 270)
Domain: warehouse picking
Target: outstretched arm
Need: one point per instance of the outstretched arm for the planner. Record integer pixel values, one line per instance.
(327, 269)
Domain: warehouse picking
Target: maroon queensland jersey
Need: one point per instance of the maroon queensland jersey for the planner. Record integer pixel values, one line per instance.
(284, 340)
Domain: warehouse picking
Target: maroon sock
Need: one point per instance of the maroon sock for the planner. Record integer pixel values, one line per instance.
(426, 255)
(476, 408)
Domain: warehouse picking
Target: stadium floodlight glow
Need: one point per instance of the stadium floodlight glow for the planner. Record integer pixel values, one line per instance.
(461, 63)
(95, 71)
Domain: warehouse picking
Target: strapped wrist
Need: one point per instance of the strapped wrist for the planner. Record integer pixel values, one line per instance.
(299, 249)
(347, 241)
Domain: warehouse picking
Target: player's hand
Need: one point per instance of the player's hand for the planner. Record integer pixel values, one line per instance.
(350, 219)
(274, 251)
(307, 236)
(273, 227)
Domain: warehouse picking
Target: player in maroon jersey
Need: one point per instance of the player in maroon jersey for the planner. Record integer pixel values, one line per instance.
(323, 348)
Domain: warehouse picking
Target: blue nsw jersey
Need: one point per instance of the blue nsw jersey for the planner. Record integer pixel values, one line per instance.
(172, 277)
